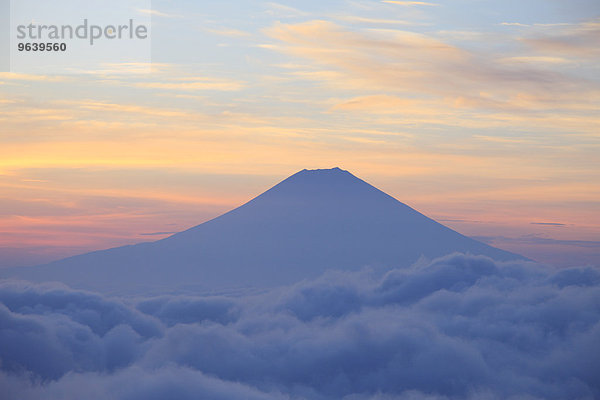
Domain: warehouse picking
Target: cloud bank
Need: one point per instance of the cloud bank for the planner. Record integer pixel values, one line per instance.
(458, 327)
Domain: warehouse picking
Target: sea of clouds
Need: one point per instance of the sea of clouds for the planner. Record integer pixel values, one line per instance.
(460, 327)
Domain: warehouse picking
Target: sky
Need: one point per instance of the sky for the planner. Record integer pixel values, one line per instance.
(481, 114)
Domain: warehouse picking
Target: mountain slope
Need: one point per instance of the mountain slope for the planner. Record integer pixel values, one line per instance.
(313, 221)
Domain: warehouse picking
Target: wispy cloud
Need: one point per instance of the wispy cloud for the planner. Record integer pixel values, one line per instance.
(580, 40)
(548, 223)
(125, 68)
(14, 76)
(552, 25)
(512, 24)
(284, 11)
(193, 84)
(157, 233)
(229, 32)
(538, 240)
(537, 60)
(414, 65)
(378, 21)
(130, 109)
(157, 13)
(410, 3)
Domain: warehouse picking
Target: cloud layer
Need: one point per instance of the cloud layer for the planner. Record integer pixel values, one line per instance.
(458, 327)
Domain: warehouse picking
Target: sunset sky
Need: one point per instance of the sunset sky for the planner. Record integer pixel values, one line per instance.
(481, 114)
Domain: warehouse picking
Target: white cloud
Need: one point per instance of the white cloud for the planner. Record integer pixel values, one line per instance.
(459, 327)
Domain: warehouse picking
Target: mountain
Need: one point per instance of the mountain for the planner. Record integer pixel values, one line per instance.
(313, 221)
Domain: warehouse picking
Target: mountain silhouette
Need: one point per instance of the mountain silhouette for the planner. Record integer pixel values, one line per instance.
(313, 221)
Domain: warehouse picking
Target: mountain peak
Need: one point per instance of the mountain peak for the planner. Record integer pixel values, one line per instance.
(329, 173)
(324, 170)
(310, 183)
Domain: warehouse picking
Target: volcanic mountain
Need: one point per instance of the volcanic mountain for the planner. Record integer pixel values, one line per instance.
(313, 221)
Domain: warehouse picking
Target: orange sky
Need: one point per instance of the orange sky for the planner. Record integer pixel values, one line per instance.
(487, 123)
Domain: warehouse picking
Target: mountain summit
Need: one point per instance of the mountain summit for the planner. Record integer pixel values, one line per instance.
(313, 221)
